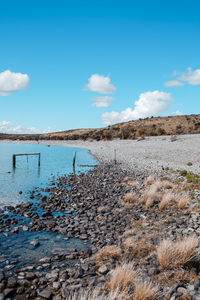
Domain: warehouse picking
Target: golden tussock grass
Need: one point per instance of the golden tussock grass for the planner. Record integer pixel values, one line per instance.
(166, 201)
(149, 180)
(130, 197)
(122, 277)
(107, 253)
(182, 203)
(176, 254)
(145, 291)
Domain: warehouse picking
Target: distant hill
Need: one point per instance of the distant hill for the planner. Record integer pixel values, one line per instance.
(172, 125)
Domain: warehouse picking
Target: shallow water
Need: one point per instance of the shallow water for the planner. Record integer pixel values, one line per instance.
(16, 247)
(55, 161)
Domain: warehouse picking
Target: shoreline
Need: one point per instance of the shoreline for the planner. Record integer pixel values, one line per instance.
(152, 154)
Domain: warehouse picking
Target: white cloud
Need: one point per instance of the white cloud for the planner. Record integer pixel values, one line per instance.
(177, 113)
(173, 83)
(191, 77)
(102, 101)
(149, 104)
(100, 84)
(11, 82)
(8, 127)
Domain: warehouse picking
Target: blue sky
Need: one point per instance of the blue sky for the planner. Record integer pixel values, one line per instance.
(131, 57)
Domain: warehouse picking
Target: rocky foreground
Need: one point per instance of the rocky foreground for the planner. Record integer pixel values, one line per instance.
(141, 238)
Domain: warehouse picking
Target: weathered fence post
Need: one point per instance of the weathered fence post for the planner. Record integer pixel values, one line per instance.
(74, 162)
(115, 156)
(14, 161)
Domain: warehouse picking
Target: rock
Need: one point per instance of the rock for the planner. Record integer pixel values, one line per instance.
(1, 296)
(45, 294)
(25, 228)
(196, 283)
(45, 260)
(8, 292)
(35, 243)
(56, 285)
(11, 282)
(103, 270)
(1, 276)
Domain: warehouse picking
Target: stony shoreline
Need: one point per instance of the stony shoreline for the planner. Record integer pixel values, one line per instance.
(98, 214)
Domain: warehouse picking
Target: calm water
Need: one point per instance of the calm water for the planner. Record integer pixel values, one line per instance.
(55, 161)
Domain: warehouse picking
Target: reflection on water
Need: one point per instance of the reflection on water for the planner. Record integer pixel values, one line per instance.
(55, 161)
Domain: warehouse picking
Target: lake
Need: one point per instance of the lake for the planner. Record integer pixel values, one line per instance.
(55, 161)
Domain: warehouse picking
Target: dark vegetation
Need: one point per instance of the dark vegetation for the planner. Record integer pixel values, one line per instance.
(172, 125)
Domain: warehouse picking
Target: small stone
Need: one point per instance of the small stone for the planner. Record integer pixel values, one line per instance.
(8, 293)
(56, 285)
(103, 270)
(25, 228)
(45, 260)
(45, 294)
(196, 283)
(1, 276)
(34, 243)
(1, 296)
(11, 282)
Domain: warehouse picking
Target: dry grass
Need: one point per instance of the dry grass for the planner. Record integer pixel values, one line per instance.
(145, 291)
(167, 184)
(107, 254)
(153, 194)
(137, 248)
(171, 277)
(122, 277)
(177, 254)
(129, 181)
(166, 201)
(97, 295)
(149, 180)
(130, 197)
(182, 203)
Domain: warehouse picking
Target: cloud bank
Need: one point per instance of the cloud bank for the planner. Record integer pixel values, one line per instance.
(11, 82)
(100, 84)
(190, 77)
(7, 127)
(102, 101)
(149, 104)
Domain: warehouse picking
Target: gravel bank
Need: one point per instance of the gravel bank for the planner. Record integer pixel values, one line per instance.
(151, 154)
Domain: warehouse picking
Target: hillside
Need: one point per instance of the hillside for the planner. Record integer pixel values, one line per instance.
(172, 125)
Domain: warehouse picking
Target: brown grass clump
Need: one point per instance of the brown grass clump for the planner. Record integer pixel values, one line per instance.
(182, 203)
(149, 180)
(166, 184)
(137, 248)
(145, 291)
(177, 254)
(107, 254)
(130, 197)
(122, 277)
(166, 200)
(129, 181)
(152, 195)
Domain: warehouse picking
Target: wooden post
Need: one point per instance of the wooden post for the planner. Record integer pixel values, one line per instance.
(115, 156)
(39, 160)
(74, 161)
(14, 161)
